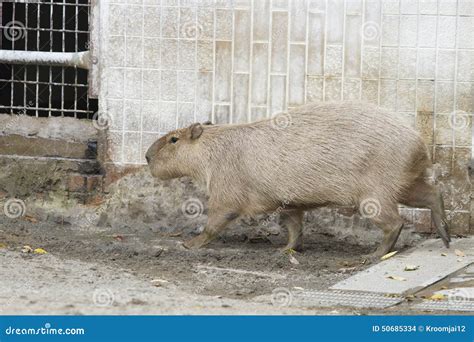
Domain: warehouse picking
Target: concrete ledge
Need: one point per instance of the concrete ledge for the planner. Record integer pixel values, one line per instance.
(41, 147)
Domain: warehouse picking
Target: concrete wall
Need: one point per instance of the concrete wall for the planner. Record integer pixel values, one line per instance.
(168, 63)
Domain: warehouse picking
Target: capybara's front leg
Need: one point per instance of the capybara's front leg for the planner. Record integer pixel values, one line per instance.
(216, 223)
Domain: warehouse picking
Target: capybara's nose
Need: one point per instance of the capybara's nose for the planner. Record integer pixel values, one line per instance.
(147, 159)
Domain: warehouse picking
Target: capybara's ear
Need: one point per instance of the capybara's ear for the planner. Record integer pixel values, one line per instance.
(195, 131)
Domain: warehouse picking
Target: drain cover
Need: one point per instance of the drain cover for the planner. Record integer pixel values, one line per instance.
(343, 298)
(466, 306)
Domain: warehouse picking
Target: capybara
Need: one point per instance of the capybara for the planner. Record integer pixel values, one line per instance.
(314, 155)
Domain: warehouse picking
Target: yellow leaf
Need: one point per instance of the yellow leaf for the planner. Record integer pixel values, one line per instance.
(39, 251)
(437, 296)
(397, 278)
(388, 255)
(444, 254)
(2, 246)
(459, 253)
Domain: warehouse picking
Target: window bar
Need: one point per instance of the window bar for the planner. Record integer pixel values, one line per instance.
(64, 84)
(89, 47)
(24, 69)
(13, 67)
(76, 20)
(51, 50)
(63, 35)
(37, 67)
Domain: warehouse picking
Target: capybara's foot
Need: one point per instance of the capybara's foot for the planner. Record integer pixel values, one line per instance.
(295, 246)
(197, 242)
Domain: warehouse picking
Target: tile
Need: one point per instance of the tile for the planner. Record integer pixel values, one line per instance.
(240, 95)
(132, 115)
(296, 81)
(280, 43)
(132, 148)
(223, 62)
(151, 84)
(259, 74)
(261, 24)
(242, 41)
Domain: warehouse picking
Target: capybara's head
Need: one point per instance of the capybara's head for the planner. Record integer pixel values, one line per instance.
(172, 155)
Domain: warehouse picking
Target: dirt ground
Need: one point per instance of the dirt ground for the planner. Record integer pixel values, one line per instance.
(126, 257)
(96, 272)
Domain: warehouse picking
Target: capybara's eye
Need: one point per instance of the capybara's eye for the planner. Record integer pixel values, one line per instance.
(174, 140)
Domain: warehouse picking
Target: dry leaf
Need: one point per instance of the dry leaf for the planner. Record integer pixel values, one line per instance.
(175, 234)
(347, 269)
(2, 246)
(411, 267)
(293, 260)
(437, 296)
(298, 288)
(459, 253)
(388, 255)
(40, 251)
(158, 282)
(27, 249)
(444, 254)
(30, 219)
(397, 278)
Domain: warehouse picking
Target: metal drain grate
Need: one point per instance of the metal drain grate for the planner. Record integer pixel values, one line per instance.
(464, 306)
(343, 298)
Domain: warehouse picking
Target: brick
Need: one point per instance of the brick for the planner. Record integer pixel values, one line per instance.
(76, 183)
(94, 182)
(459, 222)
(422, 221)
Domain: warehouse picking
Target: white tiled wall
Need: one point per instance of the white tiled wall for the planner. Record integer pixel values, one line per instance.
(170, 63)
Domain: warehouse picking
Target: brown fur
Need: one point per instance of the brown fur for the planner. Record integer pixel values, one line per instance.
(325, 153)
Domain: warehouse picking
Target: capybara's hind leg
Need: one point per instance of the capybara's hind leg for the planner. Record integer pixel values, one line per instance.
(424, 195)
(292, 220)
(389, 220)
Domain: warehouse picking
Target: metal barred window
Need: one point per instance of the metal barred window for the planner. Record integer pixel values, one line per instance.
(51, 26)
